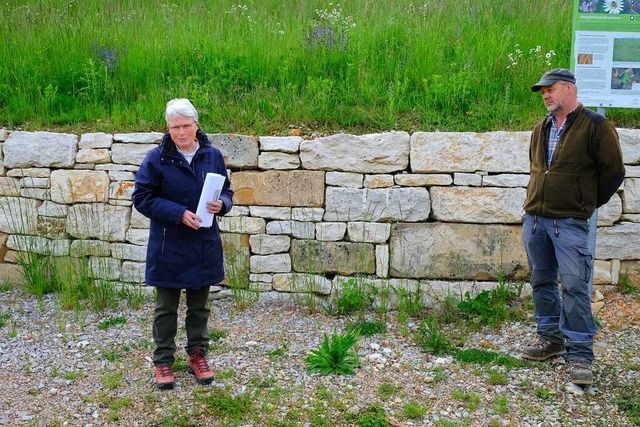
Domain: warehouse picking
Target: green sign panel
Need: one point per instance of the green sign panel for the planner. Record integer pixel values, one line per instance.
(606, 52)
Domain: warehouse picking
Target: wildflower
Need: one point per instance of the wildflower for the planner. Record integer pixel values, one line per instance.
(613, 6)
(587, 6)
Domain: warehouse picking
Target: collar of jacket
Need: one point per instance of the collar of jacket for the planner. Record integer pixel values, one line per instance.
(167, 146)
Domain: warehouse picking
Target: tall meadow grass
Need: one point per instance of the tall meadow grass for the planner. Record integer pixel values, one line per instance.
(263, 67)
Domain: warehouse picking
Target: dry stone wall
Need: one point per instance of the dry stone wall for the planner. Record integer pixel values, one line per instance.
(435, 211)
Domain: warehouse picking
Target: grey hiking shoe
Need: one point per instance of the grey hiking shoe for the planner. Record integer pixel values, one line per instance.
(580, 372)
(543, 349)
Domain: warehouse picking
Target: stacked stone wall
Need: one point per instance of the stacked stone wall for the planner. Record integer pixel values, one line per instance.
(435, 211)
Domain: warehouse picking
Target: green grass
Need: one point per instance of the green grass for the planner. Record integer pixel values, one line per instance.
(111, 66)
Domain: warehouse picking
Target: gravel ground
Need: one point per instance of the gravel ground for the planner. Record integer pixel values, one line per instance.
(61, 368)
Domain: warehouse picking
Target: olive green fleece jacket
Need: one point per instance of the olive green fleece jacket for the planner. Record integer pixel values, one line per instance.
(586, 168)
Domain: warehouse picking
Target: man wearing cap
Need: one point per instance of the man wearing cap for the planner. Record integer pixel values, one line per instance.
(576, 166)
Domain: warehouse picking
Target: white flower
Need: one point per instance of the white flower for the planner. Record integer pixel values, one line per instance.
(613, 6)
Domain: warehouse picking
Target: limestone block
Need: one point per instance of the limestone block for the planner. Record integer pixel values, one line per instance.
(32, 172)
(139, 137)
(105, 268)
(299, 282)
(619, 241)
(38, 245)
(285, 144)
(264, 244)
(378, 181)
(278, 161)
(630, 171)
(379, 204)
(239, 151)
(279, 188)
(478, 205)
(35, 193)
(98, 220)
(344, 179)
(610, 212)
(121, 176)
(601, 272)
(307, 214)
(278, 263)
(631, 197)
(311, 256)
(53, 228)
(279, 227)
(39, 149)
(137, 236)
(382, 261)
(423, 180)
(270, 212)
(238, 210)
(456, 251)
(122, 190)
(241, 224)
(630, 270)
(74, 186)
(437, 152)
(128, 251)
(371, 232)
(467, 179)
(97, 248)
(138, 220)
(18, 215)
(93, 155)
(30, 182)
(303, 230)
(117, 167)
(330, 231)
(236, 259)
(630, 145)
(505, 180)
(132, 272)
(9, 187)
(52, 209)
(11, 273)
(95, 140)
(130, 154)
(373, 153)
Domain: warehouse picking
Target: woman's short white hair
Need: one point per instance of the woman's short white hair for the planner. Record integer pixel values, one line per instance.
(180, 107)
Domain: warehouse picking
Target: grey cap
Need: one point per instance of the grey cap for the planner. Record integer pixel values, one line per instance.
(552, 76)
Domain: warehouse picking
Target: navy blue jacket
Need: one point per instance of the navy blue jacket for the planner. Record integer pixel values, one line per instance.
(166, 185)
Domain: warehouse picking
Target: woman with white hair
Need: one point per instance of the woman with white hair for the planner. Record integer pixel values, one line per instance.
(180, 253)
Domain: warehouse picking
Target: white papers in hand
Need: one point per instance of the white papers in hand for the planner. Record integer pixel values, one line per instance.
(210, 192)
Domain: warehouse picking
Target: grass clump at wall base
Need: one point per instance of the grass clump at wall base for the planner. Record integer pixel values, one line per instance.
(355, 66)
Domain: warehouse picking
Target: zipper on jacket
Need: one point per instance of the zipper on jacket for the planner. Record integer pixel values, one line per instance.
(164, 236)
(580, 195)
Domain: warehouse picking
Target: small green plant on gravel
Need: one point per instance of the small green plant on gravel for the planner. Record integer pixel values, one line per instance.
(371, 416)
(225, 404)
(541, 392)
(625, 286)
(472, 400)
(413, 409)
(388, 389)
(501, 404)
(439, 374)
(353, 296)
(112, 321)
(367, 328)
(3, 318)
(112, 380)
(410, 303)
(497, 377)
(431, 339)
(38, 272)
(224, 375)
(5, 285)
(217, 334)
(486, 357)
(629, 402)
(103, 297)
(335, 356)
(491, 307)
(72, 375)
(13, 332)
(279, 351)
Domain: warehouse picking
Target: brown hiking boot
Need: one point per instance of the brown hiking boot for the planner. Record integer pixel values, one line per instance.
(543, 349)
(198, 366)
(164, 377)
(580, 372)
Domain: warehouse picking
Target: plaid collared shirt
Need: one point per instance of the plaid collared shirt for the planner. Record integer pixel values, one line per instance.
(554, 136)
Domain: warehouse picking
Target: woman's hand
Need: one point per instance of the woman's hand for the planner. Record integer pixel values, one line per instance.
(191, 220)
(214, 207)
